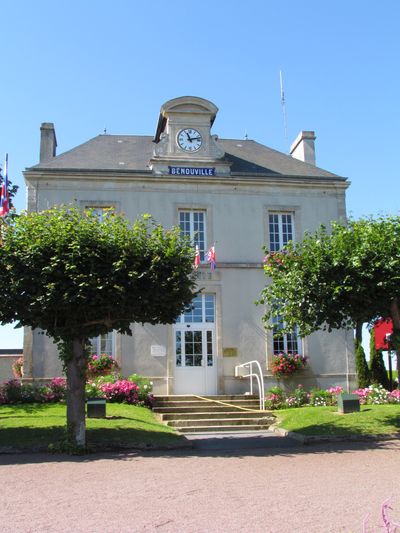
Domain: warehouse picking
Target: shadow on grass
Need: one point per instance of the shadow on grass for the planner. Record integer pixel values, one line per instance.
(14, 410)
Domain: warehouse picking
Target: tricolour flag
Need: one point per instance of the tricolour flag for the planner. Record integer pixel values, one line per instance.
(4, 199)
(211, 257)
(197, 257)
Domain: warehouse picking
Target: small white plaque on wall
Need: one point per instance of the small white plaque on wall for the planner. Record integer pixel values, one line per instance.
(158, 351)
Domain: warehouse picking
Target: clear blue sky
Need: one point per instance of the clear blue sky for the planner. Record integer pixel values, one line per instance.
(86, 65)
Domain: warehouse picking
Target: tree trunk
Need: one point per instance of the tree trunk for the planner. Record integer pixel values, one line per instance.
(395, 314)
(76, 380)
(359, 326)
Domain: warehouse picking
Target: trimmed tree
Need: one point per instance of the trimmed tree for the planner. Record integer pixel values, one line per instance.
(378, 372)
(361, 366)
(76, 277)
(337, 279)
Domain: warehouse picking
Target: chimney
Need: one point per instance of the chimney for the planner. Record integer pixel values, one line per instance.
(303, 147)
(48, 142)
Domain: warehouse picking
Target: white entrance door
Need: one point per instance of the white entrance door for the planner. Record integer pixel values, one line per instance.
(194, 336)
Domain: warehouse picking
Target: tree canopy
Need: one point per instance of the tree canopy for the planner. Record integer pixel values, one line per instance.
(76, 277)
(336, 279)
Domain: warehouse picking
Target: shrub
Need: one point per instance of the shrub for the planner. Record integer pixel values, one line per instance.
(121, 391)
(298, 397)
(334, 392)
(144, 384)
(58, 387)
(100, 365)
(361, 366)
(286, 364)
(321, 397)
(93, 390)
(394, 396)
(374, 394)
(275, 398)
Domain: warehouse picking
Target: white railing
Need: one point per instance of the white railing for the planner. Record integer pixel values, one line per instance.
(251, 374)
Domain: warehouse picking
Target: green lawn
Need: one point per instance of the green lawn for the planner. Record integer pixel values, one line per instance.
(326, 421)
(34, 426)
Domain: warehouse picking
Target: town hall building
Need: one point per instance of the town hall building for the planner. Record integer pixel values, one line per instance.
(235, 194)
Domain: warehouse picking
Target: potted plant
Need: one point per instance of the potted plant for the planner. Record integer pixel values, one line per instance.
(286, 364)
(100, 365)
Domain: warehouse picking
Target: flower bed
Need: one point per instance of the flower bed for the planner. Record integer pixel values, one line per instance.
(277, 398)
(112, 387)
(14, 391)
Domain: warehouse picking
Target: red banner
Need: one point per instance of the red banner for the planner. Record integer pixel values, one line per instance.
(382, 327)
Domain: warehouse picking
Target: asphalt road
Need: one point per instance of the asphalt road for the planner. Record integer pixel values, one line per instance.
(249, 484)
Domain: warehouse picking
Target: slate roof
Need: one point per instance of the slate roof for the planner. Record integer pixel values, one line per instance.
(133, 152)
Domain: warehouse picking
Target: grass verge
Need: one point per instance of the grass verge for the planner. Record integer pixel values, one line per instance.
(33, 427)
(326, 421)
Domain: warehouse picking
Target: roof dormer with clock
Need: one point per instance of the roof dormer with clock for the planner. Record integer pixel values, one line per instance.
(183, 144)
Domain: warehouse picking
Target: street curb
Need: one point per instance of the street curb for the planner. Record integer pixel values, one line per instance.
(181, 445)
(320, 439)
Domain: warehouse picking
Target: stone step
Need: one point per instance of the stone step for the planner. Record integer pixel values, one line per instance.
(220, 422)
(204, 408)
(251, 404)
(191, 397)
(191, 414)
(220, 429)
(211, 415)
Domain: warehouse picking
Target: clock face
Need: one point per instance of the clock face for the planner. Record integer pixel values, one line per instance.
(189, 140)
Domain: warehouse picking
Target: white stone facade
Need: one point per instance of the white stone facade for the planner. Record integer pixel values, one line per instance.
(247, 183)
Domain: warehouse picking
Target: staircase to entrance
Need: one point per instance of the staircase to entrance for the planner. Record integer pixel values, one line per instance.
(195, 414)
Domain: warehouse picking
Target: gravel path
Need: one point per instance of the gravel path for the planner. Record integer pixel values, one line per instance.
(296, 489)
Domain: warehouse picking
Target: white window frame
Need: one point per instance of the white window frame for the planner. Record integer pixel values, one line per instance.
(96, 344)
(192, 233)
(284, 338)
(284, 237)
(204, 299)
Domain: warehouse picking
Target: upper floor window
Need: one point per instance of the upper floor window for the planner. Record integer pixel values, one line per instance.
(103, 344)
(281, 230)
(193, 225)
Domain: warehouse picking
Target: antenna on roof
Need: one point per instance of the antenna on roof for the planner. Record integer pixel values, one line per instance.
(283, 103)
(245, 135)
(105, 131)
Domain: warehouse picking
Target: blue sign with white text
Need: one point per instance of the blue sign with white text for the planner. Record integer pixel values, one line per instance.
(190, 171)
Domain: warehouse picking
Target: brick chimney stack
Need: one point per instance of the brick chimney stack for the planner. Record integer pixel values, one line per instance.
(303, 147)
(48, 141)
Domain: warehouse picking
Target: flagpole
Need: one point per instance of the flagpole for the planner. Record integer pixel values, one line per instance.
(283, 103)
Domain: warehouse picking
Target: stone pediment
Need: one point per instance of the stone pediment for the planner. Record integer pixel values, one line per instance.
(189, 104)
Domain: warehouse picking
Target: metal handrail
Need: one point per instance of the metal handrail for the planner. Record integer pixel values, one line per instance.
(251, 375)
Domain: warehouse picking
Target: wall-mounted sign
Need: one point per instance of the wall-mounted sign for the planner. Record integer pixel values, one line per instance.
(229, 352)
(158, 351)
(191, 171)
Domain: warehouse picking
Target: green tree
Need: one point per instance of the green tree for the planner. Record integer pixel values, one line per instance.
(378, 372)
(74, 277)
(361, 366)
(337, 279)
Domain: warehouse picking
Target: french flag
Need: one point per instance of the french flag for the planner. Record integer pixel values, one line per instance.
(197, 257)
(4, 200)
